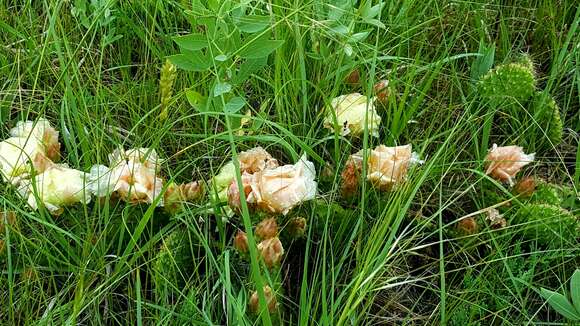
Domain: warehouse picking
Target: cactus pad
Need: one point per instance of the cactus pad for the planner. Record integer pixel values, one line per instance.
(513, 80)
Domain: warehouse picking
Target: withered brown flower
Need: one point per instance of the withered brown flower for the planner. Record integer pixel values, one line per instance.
(503, 163)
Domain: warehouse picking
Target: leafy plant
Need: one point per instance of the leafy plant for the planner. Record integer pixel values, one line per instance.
(235, 42)
(569, 308)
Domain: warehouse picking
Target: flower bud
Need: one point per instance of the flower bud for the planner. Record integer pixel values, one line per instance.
(353, 78)
(381, 89)
(297, 227)
(350, 179)
(525, 187)
(267, 229)
(2, 248)
(271, 251)
(467, 226)
(241, 242)
(270, 300)
(7, 218)
(495, 219)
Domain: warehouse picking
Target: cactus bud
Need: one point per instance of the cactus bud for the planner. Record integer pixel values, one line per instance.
(7, 218)
(241, 242)
(525, 187)
(267, 229)
(270, 300)
(297, 227)
(353, 78)
(467, 226)
(381, 89)
(495, 219)
(168, 74)
(350, 179)
(271, 251)
(192, 191)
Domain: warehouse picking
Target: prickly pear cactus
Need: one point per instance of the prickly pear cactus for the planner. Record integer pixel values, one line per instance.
(513, 80)
(548, 118)
(173, 260)
(547, 193)
(547, 224)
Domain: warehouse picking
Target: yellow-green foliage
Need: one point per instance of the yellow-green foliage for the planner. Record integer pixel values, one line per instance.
(547, 224)
(168, 74)
(512, 80)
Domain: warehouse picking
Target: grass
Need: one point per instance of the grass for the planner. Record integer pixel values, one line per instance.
(92, 68)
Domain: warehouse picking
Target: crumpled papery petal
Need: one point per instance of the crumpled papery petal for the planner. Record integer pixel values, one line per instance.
(43, 133)
(132, 175)
(255, 160)
(234, 198)
(32, 146)
(386, 166)
(351, 114)
(57, 187)
(281, 189)
(503, 163)
(251, 161)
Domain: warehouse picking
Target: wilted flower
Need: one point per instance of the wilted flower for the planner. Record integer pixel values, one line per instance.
(255, 160)
(467, 226)
(234, 198)
(31, 145)
(353, 78)
(386, 166)
(175, 195)
(271, 251)
(132, 175)
(241, 242)
(270, 300)
(297, 227)
(351, 112)
(281, 189)
(503, 163)
(350, 177)
(57, 187)
(495, 218)
(525, 187)
(381, 89)
(267, 228)
(251, 161)
(43, 133)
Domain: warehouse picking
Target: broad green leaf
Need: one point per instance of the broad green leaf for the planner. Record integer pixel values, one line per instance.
(234, 105)
(191, 42)
(249, 67)
(190, 62)
(221, 58)
(560, 304)
(260, 48)
(359, 37)
(196, 100)
(376, 22)
(339, 29)
(253, 23)
(369, 12)
(338, 8)
(575, 289)
(484, 62)
(221, 88)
